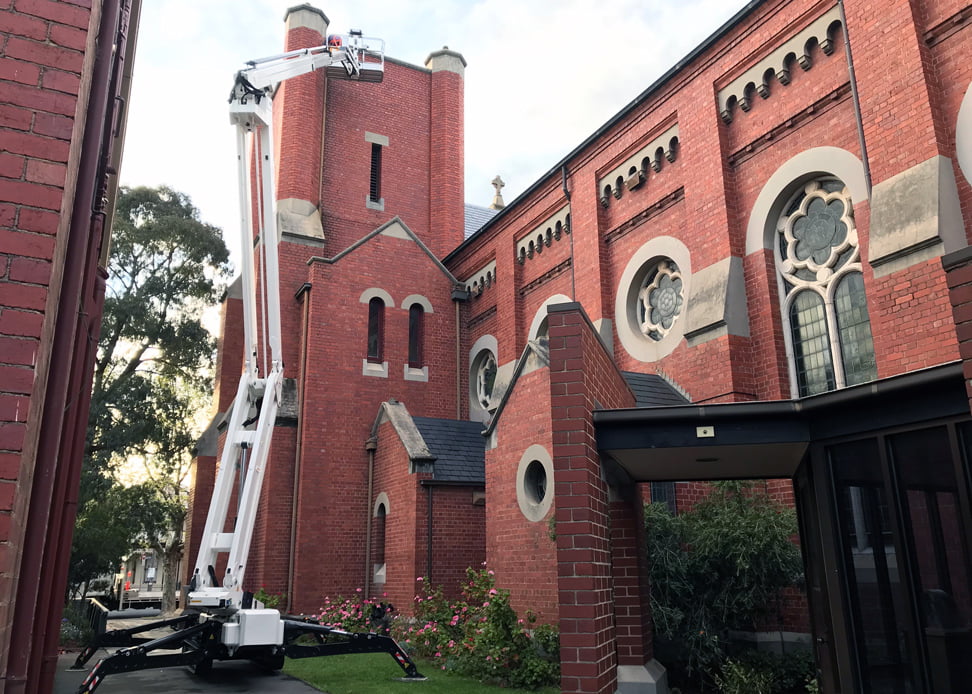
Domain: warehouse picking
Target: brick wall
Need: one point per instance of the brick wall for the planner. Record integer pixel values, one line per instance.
(41, 58)
(582, 377)
(405, 524)
(458, 536)
(519, 550)
(959, 268)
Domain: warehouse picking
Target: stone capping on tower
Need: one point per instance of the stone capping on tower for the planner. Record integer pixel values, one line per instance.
(451, 61)
(306, 16)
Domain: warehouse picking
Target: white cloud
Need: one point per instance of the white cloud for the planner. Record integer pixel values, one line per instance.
(541, 78)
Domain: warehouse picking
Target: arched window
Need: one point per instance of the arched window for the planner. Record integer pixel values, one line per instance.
(376, 330)
(825, 308)
(416, 336)
(378, 540)
(484, 371)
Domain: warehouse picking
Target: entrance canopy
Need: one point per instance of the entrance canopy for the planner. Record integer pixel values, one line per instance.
(768, 439)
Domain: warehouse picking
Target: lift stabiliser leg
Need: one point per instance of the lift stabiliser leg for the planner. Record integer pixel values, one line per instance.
(138, 658)
(346, 642)
(201, 645)
(128, 637)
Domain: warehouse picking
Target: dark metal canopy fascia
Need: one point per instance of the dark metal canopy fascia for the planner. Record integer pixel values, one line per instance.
(768, 439)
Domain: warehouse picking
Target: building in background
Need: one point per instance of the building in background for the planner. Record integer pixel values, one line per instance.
(740, 275)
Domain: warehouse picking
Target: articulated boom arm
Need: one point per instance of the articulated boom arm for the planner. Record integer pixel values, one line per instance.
(258, 396)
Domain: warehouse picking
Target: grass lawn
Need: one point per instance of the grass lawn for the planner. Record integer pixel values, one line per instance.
(377, 673)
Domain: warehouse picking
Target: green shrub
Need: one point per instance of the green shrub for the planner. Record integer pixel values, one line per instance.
(481, 635)
(741, 678)
(271, 601)
(75, 629)
(716, 568)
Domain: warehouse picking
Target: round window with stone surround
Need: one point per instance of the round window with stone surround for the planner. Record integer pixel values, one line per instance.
(534, 483)
(652, 300)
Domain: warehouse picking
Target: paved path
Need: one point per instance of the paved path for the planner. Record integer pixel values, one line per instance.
(227, 676)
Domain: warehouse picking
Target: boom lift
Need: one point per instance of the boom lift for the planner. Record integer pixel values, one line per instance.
(222, 621)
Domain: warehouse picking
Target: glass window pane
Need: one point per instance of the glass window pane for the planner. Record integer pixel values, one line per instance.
(873, 570)
(811, 344)
(376, 326)
(926, 475)
(416, 317)
(854, 330)
(664, 493)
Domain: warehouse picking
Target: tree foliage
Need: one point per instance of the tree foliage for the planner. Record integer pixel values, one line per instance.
(716, 568)
(153, 369)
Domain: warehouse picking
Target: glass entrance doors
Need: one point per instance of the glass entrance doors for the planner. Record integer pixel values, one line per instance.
(903, 551)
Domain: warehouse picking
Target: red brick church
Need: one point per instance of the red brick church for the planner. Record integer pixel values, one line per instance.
(759, 268)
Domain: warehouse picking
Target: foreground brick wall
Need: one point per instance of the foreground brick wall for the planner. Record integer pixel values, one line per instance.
(598, 619)
(41, 58)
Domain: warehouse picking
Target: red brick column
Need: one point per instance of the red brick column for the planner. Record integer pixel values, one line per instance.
(582, 378)
(299, 113)
(446, 192)
(630, 571)
(203, 476)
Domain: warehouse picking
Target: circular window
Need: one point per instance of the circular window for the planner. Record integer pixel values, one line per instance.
(652, 299)
(535, 482)
(534, 477)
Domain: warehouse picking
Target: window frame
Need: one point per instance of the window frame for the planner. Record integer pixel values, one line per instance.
(376, 331)
(416, 336)
(825, 288)
(374, 176)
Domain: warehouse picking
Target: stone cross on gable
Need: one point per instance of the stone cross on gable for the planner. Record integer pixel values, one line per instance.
(498, 203)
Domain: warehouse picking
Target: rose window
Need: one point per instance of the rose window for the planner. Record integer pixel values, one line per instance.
(660, 300)
(818, 234)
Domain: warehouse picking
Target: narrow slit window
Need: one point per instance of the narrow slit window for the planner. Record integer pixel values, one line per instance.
(379, 537)
(376, 329)
(374, 190)
(416, 336)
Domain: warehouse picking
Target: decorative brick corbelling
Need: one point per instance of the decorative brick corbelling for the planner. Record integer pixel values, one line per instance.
(481, 280)
(777, 63)
(632, 173)
(553, 229)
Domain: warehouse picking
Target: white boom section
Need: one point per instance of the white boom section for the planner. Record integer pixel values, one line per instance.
(257, 399)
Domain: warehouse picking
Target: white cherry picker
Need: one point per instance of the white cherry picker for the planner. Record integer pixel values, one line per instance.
(222, 621)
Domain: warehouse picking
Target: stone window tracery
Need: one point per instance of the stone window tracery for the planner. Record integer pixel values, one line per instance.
(485, 379)
(660, 300)
(823, 289)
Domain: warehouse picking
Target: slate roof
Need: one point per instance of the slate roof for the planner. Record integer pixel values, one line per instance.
(459, 449)
(651, 390)
(476, 216)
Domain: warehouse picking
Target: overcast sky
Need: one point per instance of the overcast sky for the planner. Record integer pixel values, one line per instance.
(541, 77)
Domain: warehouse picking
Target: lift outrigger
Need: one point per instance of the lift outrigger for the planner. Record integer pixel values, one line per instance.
(222, 621)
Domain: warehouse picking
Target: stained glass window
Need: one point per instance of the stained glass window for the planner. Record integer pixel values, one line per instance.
(823, 289)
